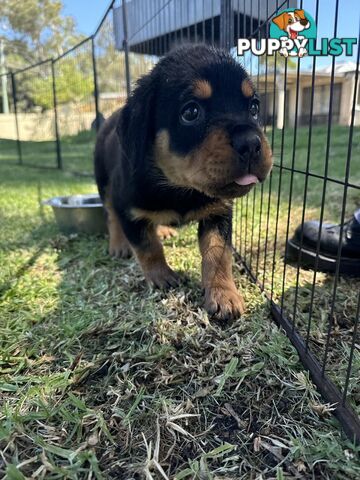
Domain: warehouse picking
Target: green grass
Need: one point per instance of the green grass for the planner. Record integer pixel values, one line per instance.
(102, 377)
(76, 152)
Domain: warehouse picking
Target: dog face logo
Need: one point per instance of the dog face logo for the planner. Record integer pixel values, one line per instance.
(292, 22)
(297, 25)
(293, 32)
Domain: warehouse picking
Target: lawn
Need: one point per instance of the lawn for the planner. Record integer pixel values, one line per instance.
(76, 153)
(102, 377)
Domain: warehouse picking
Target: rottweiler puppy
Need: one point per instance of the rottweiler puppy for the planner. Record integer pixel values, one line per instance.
(187, 142)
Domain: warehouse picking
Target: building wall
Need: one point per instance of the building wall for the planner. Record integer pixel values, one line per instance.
(72, 119)
(41, 126)
(342, 104)
(347, 100)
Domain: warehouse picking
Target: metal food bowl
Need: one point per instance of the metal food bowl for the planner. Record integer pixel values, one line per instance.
(79, 213)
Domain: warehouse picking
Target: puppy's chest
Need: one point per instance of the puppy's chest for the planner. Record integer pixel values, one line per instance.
(174, 217)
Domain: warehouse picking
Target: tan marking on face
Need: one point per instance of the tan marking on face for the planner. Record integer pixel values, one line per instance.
(267, 162)
(202, 89)
(203, 168)
(209, 166)
(247, 88)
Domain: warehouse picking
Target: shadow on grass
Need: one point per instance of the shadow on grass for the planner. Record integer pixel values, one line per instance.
(7, 285)
(115, 365)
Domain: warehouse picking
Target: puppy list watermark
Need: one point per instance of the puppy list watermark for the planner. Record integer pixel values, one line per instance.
(293, 33)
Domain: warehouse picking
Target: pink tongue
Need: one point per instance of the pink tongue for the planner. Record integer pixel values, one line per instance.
(247, 180)
(293, 34)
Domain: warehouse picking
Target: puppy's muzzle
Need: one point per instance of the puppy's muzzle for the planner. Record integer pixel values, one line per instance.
(247, 144)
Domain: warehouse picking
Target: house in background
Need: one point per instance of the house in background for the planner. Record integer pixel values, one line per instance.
(342, 96)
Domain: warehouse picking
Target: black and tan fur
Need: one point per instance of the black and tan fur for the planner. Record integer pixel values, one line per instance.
(175, 154)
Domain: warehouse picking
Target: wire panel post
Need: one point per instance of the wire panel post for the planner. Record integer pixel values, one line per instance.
(126, 48)
(226, 24)
(56, 120)
(96, 90)
(18, 143)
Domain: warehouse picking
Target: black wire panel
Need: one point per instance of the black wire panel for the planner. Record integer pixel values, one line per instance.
(110, 69)
(74, 87)
(8, 128)
(33, 95)
(315, 177)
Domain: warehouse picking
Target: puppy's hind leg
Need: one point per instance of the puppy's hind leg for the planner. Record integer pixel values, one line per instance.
(149, 252)
(165, 233)
(118, 243)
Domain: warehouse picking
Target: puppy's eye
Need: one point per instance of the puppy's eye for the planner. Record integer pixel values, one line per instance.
(190, 113)
(290, 20)
(254, 109)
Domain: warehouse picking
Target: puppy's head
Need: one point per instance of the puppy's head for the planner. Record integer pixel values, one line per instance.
(292, 22)
(203, 114)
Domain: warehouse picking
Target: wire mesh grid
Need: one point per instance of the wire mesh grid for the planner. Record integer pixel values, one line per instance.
(320, 311)
(35, 118)
(8, 125)
(74, 88)
(110, 70)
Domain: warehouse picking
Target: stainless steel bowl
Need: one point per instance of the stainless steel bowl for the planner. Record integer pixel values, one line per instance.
(79, 213)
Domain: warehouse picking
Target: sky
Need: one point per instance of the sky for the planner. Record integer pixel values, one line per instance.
(88, 14)
(348, 22)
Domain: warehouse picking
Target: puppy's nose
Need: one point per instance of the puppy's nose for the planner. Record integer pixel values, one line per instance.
(247, 144)
(303, 22)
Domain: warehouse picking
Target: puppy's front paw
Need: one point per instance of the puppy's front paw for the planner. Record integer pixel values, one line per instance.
(161, 276)
(224, 303)
(165, 232)
(122, 250)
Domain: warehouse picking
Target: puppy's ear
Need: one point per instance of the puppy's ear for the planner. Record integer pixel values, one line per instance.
(136, 127)
(281, 20)
(300, 13)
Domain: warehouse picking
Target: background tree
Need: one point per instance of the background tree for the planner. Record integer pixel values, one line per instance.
(35, 30)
